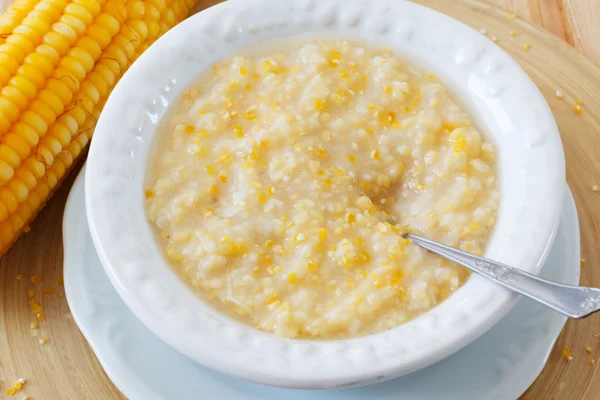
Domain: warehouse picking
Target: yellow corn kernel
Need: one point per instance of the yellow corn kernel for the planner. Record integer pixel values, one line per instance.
(238, 249)
(189, 129)
(210, 170)
(390, 117)
(319, 152)
(43, 340)
(267, 66)
(261, 198)
(376, 281)
(363, 257)
(291, 278)
(352, 159)
(34, 325)
(334, 59)
(11, 391)
(448, 127)
(238, 130)
(320, 105)
(273, 298)
(271, 191)
(213, 190)
(36, 279)
(265, 260)
(250, 115)
(396, 278)
(312, 266)
(322, 234)
(243, 71)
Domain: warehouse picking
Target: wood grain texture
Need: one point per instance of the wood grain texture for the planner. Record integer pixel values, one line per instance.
(574, 21)
(66, 368)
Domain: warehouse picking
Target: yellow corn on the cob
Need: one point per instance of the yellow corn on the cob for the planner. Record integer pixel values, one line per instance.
(59, 61)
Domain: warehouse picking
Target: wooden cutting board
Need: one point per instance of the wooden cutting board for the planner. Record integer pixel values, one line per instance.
(66, 368)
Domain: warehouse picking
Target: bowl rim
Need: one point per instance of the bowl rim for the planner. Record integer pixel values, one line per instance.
(116, 169)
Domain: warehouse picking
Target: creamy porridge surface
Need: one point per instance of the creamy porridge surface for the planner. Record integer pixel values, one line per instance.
(286, 178)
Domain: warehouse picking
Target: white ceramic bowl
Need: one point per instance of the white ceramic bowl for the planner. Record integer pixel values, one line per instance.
(506, 103)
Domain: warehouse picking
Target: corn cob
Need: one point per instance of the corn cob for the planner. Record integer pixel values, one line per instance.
(51, 99)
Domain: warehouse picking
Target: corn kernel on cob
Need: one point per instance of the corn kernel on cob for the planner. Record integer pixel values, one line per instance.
(59, 62)
(13, 17)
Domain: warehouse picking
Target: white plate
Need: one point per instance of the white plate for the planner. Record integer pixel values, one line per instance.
(498, 366)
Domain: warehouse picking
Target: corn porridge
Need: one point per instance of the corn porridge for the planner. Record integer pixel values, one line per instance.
(286, 179)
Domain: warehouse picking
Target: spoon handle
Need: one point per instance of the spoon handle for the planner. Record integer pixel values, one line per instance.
(572, 301)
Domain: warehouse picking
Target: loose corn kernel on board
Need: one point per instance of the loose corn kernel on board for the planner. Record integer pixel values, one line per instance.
(64, 367)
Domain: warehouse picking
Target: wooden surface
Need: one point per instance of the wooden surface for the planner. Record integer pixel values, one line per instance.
(66, 368)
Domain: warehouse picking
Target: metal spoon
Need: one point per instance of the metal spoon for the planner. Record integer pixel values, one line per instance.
(572, 301)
